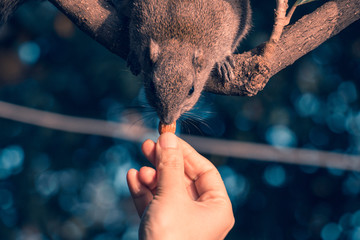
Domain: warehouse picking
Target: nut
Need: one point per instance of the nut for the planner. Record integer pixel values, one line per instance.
(163, 128)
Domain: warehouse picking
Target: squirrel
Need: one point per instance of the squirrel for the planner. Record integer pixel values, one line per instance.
(176, 44)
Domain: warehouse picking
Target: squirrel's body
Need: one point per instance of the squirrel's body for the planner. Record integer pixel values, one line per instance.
(176, 44)
(210, 25)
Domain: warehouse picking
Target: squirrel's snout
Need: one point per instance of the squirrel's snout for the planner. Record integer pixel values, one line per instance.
(168, 120)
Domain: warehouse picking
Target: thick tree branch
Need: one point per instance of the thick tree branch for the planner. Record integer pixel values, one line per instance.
(253, 70)
(102, 22)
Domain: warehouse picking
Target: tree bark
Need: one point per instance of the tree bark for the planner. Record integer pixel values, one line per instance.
(253, 71)
(101, 21)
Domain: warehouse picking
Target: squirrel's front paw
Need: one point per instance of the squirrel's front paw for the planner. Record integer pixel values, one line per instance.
(225, 68)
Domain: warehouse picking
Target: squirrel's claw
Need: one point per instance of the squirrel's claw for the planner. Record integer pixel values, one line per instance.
(225, 68)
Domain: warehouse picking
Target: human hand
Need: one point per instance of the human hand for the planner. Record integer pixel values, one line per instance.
(184, 198)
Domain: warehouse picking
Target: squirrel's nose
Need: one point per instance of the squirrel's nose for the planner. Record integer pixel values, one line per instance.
(168, 119)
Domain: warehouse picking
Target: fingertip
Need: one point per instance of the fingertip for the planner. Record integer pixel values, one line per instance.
(148, 148)
(148, 140)
(168, 140)
(131, 173)
(132, 181)
(147, 176)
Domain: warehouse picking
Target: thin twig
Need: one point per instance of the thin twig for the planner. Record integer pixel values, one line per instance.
(220, 147)
(280, 20)
(290, 13)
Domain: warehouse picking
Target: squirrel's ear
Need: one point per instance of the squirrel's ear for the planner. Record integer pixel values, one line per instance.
(199, 59)
(154, 50)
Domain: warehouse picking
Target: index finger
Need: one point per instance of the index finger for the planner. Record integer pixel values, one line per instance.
(204, 174)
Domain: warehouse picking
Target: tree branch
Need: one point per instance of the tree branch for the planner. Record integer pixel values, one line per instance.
(253, 71)
(102, 22)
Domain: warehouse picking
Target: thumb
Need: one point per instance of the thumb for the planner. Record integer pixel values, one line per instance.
(169, 164)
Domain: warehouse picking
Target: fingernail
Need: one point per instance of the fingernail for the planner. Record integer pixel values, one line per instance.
(168, 140)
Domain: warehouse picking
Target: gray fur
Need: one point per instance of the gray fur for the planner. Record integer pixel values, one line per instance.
(176, 44)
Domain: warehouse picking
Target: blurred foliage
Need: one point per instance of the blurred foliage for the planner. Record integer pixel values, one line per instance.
(58, 185)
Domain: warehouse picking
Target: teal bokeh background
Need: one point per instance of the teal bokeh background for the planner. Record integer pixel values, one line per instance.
(60, 185)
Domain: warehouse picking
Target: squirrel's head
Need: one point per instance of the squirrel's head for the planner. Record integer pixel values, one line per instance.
(175, 74)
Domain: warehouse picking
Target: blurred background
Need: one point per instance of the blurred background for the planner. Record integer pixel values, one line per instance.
(62, 185)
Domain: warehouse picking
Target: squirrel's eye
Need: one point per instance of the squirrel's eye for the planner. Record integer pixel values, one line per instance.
(191, 91)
